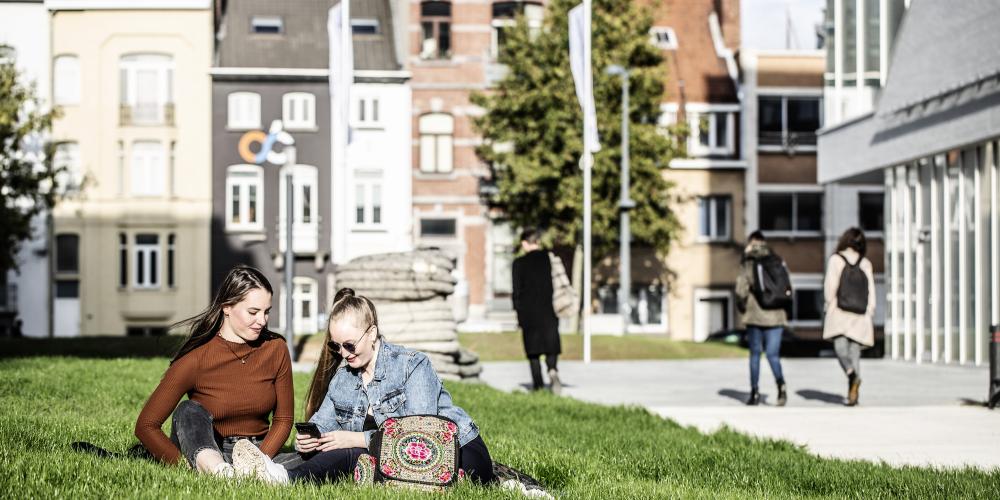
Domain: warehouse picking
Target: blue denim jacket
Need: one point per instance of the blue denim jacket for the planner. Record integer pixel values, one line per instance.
(404, 384)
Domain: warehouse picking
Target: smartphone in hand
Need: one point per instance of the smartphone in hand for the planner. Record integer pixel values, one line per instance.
(308, 428)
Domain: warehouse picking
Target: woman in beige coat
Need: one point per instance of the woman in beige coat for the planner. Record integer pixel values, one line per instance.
(849, 331)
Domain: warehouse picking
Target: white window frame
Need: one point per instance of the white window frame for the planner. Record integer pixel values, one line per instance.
(67, 155)
(243, 111)
(305, 237)
(436, 216)
(143, 255)
(298, 111)
(271, 21)
(713, 201)
(654, 38)
(244, 177)
(437, 143)
(149, 180)
(806, 282)
(66, 80)
(794, 190)
(786, 94)
(885, 198)
(725, 146)
(367, 112)
(305, 321)
(160, 64)
(368, 185)
(366, 23)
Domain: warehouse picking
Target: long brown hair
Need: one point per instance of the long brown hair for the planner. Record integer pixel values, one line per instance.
(240, 281)
(345, 302)
(853, 238)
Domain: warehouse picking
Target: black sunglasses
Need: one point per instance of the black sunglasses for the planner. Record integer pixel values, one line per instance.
(350, 347)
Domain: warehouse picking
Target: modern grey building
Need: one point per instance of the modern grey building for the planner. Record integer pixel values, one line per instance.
(271, 75)
(932, 136)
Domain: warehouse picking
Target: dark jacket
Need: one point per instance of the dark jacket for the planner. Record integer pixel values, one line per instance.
(754, 314)
(532, 282)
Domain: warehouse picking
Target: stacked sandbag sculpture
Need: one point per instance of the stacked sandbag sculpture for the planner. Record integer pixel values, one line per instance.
(410, 291)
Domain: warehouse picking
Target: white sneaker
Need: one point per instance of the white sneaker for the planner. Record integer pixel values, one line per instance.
(250, 461)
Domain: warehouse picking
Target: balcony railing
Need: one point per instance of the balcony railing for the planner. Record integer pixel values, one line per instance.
(161, 114)
(787, 140)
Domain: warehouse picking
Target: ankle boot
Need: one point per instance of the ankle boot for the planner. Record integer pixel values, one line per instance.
(754, 398)
(782, 394)
(853, 385)
(556, 384)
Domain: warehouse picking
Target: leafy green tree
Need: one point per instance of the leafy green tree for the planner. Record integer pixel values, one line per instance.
(27, 185)
(533, 126)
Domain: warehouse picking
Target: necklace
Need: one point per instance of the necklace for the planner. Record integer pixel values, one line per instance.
(243, 360)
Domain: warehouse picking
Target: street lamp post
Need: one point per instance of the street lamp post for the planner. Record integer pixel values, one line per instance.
(624, 205)
(289, 252)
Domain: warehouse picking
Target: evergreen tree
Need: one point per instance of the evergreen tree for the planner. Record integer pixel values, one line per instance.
(27, 185)
(533, 126)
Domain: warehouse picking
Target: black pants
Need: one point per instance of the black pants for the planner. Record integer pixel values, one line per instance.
(536, 368)
(334, 465)
(192, 432)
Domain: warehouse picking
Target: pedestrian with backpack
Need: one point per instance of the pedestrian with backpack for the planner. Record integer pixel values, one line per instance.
(764, 291)
(849, 292)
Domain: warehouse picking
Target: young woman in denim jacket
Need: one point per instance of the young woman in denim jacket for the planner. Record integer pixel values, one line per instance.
(348, 401)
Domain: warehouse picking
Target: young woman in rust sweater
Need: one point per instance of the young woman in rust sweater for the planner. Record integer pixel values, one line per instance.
(235, 374)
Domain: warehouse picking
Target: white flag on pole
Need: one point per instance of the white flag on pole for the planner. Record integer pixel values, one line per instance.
(582, 76)
(341, 78)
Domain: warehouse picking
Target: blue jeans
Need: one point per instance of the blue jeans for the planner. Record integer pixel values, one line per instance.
(771, 337)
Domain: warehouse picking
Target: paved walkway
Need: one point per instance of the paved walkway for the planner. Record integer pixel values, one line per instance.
(909, 414)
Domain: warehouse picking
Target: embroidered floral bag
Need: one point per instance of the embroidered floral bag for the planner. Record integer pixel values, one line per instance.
(418, 451)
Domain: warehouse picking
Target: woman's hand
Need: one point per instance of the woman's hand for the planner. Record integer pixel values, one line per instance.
(334, 440)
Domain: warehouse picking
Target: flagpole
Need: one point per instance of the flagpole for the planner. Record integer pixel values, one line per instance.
(588, 161)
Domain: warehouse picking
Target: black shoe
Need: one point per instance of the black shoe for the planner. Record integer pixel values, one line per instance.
(853, 386)
(782, 394)
(754, 398)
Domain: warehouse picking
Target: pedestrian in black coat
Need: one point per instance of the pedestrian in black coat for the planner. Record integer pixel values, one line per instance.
(532, 282)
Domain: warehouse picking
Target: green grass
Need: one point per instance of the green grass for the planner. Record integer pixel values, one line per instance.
(509, 347)
(576, 449)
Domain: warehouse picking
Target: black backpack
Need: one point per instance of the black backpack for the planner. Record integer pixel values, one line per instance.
(852, 292)
(772, 286)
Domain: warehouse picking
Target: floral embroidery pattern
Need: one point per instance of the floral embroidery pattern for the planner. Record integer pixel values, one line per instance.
(419, 451)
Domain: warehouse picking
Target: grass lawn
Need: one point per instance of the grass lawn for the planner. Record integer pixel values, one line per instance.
(576, 449)
(509, 347)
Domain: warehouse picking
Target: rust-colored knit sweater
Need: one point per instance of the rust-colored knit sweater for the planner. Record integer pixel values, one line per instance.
(240, 396)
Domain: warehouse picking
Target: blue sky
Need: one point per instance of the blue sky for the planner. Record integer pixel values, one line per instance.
(763, 23)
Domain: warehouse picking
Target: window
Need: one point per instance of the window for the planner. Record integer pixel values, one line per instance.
(871, 211)
(366, 112)
(791, 212)
(146, 90)
(244, 111)
(67, 253)
(663, 37)
(171, 240)
(714, 216)
(267, 25)
(435, 26)
(244, 198)
(66, 80)
(365, 27)
(305, 237)
(505, 17)
(304, 298)
(147, 261)
(437, 227)
(67, 158)
(807, 305)
(711, 133)
(646, 301)
(122, 260)
(788, 123)
(368, 198)
(436, 131)
(148, 169)
(298, 111)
